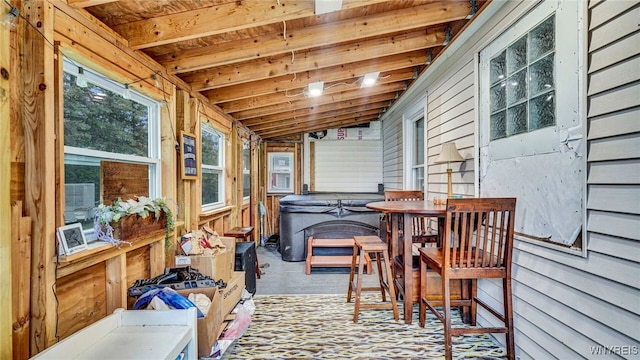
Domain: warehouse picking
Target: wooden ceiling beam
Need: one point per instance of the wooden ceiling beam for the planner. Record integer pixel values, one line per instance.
(350, 111)
(405, 46)
(307, 128)
(81, 4)
(314, 102)
(231, 16)
(263, 87)
(330, 88)
(297, 123)
(323, 109)
(315, 36)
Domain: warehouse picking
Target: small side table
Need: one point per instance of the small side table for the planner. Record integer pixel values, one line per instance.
(243, 234)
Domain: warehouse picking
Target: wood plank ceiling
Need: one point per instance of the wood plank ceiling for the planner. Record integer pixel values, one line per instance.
(255, 58)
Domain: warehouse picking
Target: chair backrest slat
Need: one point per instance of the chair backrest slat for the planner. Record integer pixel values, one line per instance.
(481, 232)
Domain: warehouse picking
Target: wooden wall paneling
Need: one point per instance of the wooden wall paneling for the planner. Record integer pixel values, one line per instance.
(116, 287)
(6, 210)
(37, 73)
(20, 270)
(255, 199)
(137, 267)
(312, 166)
(81, 297)
(183, 190)
(120, 180)
(169, 166)
(195, 200)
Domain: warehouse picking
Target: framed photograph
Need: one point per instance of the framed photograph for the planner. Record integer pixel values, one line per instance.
(71, 239)
(188, 163)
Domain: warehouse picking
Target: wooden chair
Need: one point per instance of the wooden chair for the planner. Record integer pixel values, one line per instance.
(421, 232)
(470, 255)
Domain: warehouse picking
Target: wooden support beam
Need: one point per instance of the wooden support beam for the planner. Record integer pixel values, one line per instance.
(378, 51)
(315, 36)
(231, 16)
(311, 127)
(313, 102)
(5, 196)
(37, 73)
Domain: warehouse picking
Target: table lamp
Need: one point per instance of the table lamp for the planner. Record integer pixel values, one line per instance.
(448, 154)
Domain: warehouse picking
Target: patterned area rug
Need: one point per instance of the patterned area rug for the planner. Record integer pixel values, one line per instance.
(322, 327)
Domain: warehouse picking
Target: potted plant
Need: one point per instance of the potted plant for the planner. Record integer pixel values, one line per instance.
(113, 223)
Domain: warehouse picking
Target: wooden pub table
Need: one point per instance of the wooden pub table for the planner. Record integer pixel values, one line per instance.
(404, 211)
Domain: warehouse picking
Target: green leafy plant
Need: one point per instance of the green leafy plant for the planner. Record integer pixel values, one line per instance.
(105, 215)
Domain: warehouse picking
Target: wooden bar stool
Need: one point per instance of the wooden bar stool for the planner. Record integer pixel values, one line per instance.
(243, 234)
(371, 245)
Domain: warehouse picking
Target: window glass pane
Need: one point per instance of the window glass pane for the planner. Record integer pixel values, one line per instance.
(210, 186)
(210, 147)
(497, 69)
(517, 87)
(99, 119)
(517, 119)
(517, 55)
(418, 151)
(81, 194)
(542, 75)
(498, 96)
(542, 39)
(246, 163)
(498, 125)
(418, 178)
(246, 185)
(542, 111)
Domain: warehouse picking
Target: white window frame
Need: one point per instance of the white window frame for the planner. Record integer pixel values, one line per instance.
(570, 88)
(282, 169)
(218, 169)
(90, 157)
(567, 81)
(414, 113)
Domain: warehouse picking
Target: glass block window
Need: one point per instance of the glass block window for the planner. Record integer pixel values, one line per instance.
(212, 168)
(522, 84)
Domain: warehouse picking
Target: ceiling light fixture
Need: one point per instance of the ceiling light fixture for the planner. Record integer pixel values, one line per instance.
(326, 6)
(370, 79)
(315, 89)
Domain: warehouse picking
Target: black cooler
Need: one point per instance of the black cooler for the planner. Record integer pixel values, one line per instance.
(324, 215)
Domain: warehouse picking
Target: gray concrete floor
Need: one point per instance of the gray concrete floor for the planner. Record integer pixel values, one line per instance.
(281, 277)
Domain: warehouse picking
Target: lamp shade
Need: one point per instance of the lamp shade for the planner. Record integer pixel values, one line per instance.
(449, 153)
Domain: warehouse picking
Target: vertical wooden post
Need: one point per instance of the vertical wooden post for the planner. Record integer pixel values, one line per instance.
(116, 286)
(168, 138)
(5, 193)
(37, 66)
(312, 166)
(21, 278)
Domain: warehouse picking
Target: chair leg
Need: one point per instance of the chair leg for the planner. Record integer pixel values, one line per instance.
(422, 312)
(356, 311)
(508, 317)
(474, 304)
(390, 285)
(446, 306)
(351, 273)
(380, 278)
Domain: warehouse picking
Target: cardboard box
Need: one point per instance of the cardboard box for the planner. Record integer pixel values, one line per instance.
(218, 266)
(209, 327)
(232, 294)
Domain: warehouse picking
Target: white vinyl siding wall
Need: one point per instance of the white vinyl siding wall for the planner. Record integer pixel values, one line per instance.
(348, 165)
(450, 118)
(393, 159)
(566, 306)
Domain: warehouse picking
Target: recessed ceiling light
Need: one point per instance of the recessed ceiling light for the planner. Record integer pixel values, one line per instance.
(370, 79)
(315, 89)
